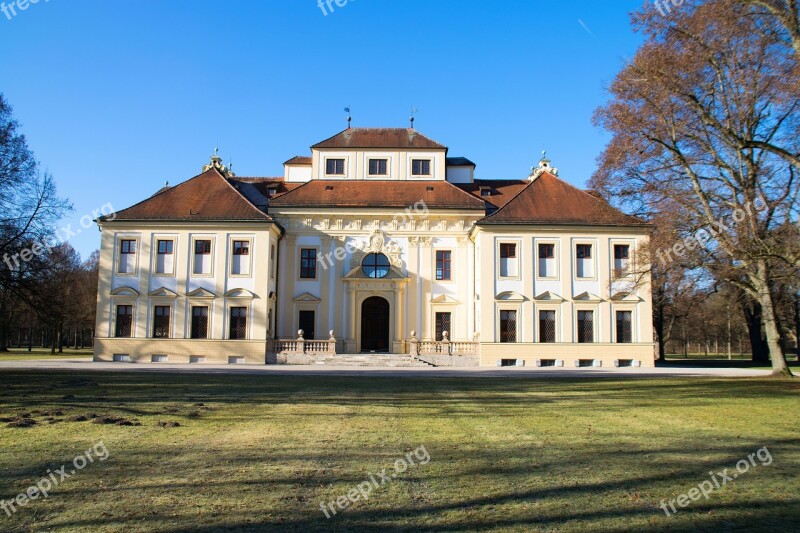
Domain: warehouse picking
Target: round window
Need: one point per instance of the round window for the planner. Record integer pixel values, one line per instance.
(375, 266)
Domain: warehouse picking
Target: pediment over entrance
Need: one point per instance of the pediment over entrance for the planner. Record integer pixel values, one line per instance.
(164, 293)
(548, 296)
(445, 299)
(201, 293)
(510, 296)
(125, 291)
(587, 297)
(306, 297)
(357, 273)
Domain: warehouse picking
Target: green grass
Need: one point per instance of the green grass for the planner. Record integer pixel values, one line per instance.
(22, 354)
(505, 454)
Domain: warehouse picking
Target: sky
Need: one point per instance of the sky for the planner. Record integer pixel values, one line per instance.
(117, 97)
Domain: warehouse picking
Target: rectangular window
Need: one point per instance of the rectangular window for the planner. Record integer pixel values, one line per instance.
(585, 326)
(420, 167)
(624, 326)
(127, 246)
(508, 326)
(199, 322)
(547, 260)
(124, 323)
(622, 256)
(165, 257)
(238, 329)
(202, 257)
(127, 256)
(307, 322)
(165, 247)
(442, 324)
(486, 192)
(272, 261)
(161, 322)
(547, 326)
(508, 259)
(443, 271)
(241, 258)
(377, 167)
(308, 263)
(334, 167)
(583, 262)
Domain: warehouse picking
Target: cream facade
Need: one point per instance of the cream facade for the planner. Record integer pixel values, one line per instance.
(378, 243)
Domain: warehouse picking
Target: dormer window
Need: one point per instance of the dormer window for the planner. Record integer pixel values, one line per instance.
(272, 191)
(378, 167)
(334, 167)
(486, 192)
(420, 167)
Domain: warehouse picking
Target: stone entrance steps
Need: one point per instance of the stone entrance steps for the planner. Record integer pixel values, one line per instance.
(370, 360)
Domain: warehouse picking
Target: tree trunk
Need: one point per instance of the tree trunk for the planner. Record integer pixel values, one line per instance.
(779, 366)
(752, 316)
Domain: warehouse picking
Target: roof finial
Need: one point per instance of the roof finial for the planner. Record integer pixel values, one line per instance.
(413, 112)
(544, 166)
(349, 118)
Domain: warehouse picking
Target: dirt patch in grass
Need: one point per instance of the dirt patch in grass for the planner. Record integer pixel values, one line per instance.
(22, 423)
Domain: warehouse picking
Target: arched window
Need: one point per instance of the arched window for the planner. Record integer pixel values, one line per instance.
(375, 266)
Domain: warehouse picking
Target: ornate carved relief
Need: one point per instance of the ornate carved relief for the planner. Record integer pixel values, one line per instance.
(378, 245)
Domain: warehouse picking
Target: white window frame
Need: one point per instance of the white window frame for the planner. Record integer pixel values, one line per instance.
(631, 255)
(250, 240)
(248, 334)
(325, 166)
(595, 309)
(556, 257)
(520, 320)
(194, 239)
(118, 254)
(155, 254)
(498, 270)
(536, 332)
(634, 324)
(378, 158)
(574, 254)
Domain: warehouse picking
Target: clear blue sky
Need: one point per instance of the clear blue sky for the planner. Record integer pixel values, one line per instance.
(117, 97)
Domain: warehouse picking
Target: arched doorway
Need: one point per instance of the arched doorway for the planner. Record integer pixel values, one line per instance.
(375, 325)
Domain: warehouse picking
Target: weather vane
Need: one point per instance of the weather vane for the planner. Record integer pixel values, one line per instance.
(414, 110)
(349, 118)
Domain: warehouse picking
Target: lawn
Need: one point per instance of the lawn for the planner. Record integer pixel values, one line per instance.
(255, 453)
(22, 354)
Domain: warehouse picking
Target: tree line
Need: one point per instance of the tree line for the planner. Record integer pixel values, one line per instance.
(705, 144)
(48, 294)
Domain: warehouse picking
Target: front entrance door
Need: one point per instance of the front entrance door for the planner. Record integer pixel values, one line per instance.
(306, 322)
(375, 325)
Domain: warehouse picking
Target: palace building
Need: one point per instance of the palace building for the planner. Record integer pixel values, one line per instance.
(378, 247)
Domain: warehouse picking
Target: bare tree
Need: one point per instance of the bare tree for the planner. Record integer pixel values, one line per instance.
(684, 115)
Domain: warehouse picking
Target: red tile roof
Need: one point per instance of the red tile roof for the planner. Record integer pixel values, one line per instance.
(549, 200)
(403, 138)
(378, 193)
(299, 160)
(501, 190)
(207, 197)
